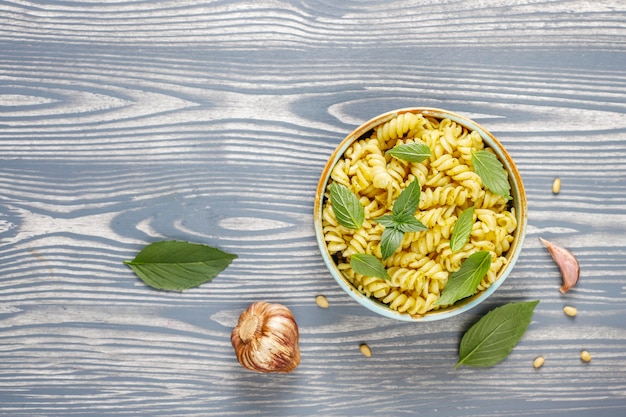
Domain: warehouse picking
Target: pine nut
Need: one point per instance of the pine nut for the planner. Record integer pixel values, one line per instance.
(585, 356)
(570, 311)
(556, 185)
(321, 301)
(365, 350)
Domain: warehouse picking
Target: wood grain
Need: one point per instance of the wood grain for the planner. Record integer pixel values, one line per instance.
(123, 123)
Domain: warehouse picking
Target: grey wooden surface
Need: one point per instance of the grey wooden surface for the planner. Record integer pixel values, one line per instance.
(127, 122)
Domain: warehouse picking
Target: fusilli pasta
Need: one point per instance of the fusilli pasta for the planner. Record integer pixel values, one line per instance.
(420, 268)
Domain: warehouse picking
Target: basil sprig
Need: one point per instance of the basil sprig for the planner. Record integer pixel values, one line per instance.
(463, 282)
(401, 220)
(346, 206)
(462, 229)
(492, 173)
(493, 337)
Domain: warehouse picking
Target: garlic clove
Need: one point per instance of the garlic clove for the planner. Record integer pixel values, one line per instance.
(567, 263)
(266, 338)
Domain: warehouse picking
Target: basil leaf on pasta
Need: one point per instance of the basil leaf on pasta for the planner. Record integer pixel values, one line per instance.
(405, 223)
(463, 282)
(492, 173)
(408, 223)
(411, 152)
(387, 220)
(390, 241)
(408, 200)
(346, 206)
(494, 336)
(462, 229)
(368, 265)
(176, 266)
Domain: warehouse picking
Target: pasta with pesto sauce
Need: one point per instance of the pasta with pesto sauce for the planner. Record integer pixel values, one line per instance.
(421, 266)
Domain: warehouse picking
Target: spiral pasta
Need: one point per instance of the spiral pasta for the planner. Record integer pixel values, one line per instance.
(397, 127)
(420, 268)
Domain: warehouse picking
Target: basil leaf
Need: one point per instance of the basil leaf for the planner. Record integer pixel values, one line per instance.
(408, 200)
(463, 282)
(408, 223)
(387, 220)
(412, 152)
(346, 206)
(495, 335)
(174, 265)
(368, 265)
(390, 241)
(492, 173)
(404, 223)
(462, 229)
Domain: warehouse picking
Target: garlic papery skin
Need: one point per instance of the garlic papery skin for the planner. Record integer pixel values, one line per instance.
(266, 338)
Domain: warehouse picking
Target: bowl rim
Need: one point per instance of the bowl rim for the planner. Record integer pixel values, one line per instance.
(517, 192)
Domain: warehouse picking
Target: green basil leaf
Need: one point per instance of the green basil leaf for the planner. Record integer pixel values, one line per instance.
(176, 266)
(408, 223)
(387, 220)
(492, 173)
(346, 206)
(412, 152)
(494, 336)
(463, 282)
(462, 229)
(408, 200)
(390, 241)
(368, 265)
(404, 223)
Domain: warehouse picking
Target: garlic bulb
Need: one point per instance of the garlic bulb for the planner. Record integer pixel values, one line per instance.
(266, 338)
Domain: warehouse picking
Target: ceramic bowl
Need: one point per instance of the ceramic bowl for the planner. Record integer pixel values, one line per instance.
(518, 201)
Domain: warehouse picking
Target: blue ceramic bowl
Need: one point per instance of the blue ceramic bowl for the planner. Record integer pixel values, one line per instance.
(517, 193)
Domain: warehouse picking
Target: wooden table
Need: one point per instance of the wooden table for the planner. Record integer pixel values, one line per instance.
(125, 123)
